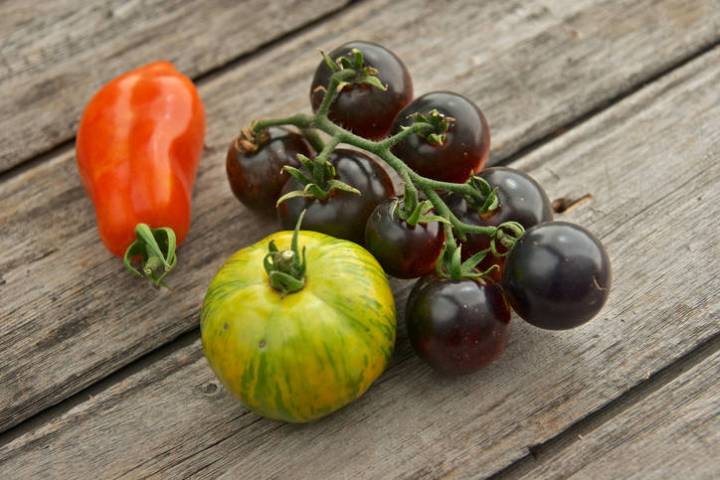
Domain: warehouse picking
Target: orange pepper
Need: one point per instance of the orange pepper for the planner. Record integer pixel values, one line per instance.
(138, 146)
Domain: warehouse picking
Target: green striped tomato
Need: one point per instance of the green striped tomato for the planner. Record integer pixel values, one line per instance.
(300, 356)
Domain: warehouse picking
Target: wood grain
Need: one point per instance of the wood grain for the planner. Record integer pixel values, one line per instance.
(72, 316)
(54, 55)
(174, 421)
(674, 433)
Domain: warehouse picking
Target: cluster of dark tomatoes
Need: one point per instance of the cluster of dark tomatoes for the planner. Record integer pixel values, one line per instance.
(556, 276)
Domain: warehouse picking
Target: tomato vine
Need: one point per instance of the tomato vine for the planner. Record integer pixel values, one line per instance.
(318, 174)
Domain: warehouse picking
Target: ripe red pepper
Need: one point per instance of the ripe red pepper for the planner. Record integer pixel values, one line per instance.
(138, 146)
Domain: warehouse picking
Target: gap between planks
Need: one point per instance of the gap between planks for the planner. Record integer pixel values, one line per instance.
(536, 453)
(201, 78)
(605, 105)
(544, 452)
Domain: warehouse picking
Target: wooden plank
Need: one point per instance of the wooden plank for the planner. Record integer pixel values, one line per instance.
(65, 296)
(54, 55)
(674, 433)
(173, 419)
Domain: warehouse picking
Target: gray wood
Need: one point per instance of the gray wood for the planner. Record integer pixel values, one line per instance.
(674, 433)
(653, 180)
(54, 55)
(72, 315)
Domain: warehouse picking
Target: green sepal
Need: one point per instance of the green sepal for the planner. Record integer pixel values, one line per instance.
(339, 185)
(373, 81)
(297, 174)
(294, 194)
(364, 74)
(488, 193)
(439, 126)
(155, 247)
(334, 67)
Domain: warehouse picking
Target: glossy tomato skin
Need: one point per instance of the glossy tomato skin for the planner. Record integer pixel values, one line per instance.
(138, 146)
(257, 178)
(343, 214)
(557, 276)
(300, 356)
(521, 199)
(404, 251)
(363, 109)
(457, 326)
(466, 148)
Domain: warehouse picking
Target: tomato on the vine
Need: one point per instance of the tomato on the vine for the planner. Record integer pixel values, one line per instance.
(557, 276)
(467, 141)
(403, 250)
(360, 108)
(520, 199)
(256, 176)
(299, 356)
(457, 326)
(343, 214)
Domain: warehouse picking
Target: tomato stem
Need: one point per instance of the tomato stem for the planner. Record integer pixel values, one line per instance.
(153, 251)
(431, 126)
(286, 268)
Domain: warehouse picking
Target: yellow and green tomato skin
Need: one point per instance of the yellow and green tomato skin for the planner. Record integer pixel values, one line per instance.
(301, 356)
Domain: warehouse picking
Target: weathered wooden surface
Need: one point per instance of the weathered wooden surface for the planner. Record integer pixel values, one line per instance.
(54, 55)
(73, 315)
(674, 433)
(653, 179)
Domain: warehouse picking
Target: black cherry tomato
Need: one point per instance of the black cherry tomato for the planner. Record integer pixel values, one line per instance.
(256, 178)
(557, 276)
(404, 251)
(364, 109)
(457, 326)
(465, 149)
(521, 199)
(342, 214)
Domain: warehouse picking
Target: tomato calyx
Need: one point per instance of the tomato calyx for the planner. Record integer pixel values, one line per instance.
(439, 126)
(355, 62)
(487, 201)
(250, 139)
(152, 254)
(420, 212)
(450, 264)
(318, 176)
(286, 268)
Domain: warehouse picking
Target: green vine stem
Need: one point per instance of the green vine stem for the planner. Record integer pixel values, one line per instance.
(506, 233)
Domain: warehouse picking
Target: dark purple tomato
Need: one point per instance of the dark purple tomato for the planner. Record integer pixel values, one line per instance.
(465, 149)
(404, 251)
(521, 199)
(257, 178)
(557, 276)
(364, 109)
(342, 214)
(457, 326)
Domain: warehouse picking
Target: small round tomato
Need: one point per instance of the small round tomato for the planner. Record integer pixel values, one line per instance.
(256, 178)
(300, 356)
(457, 326)
(342, 214)
(557, 276)
(466, 146)
(404, 251)
(360, 108)
(520, 199)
